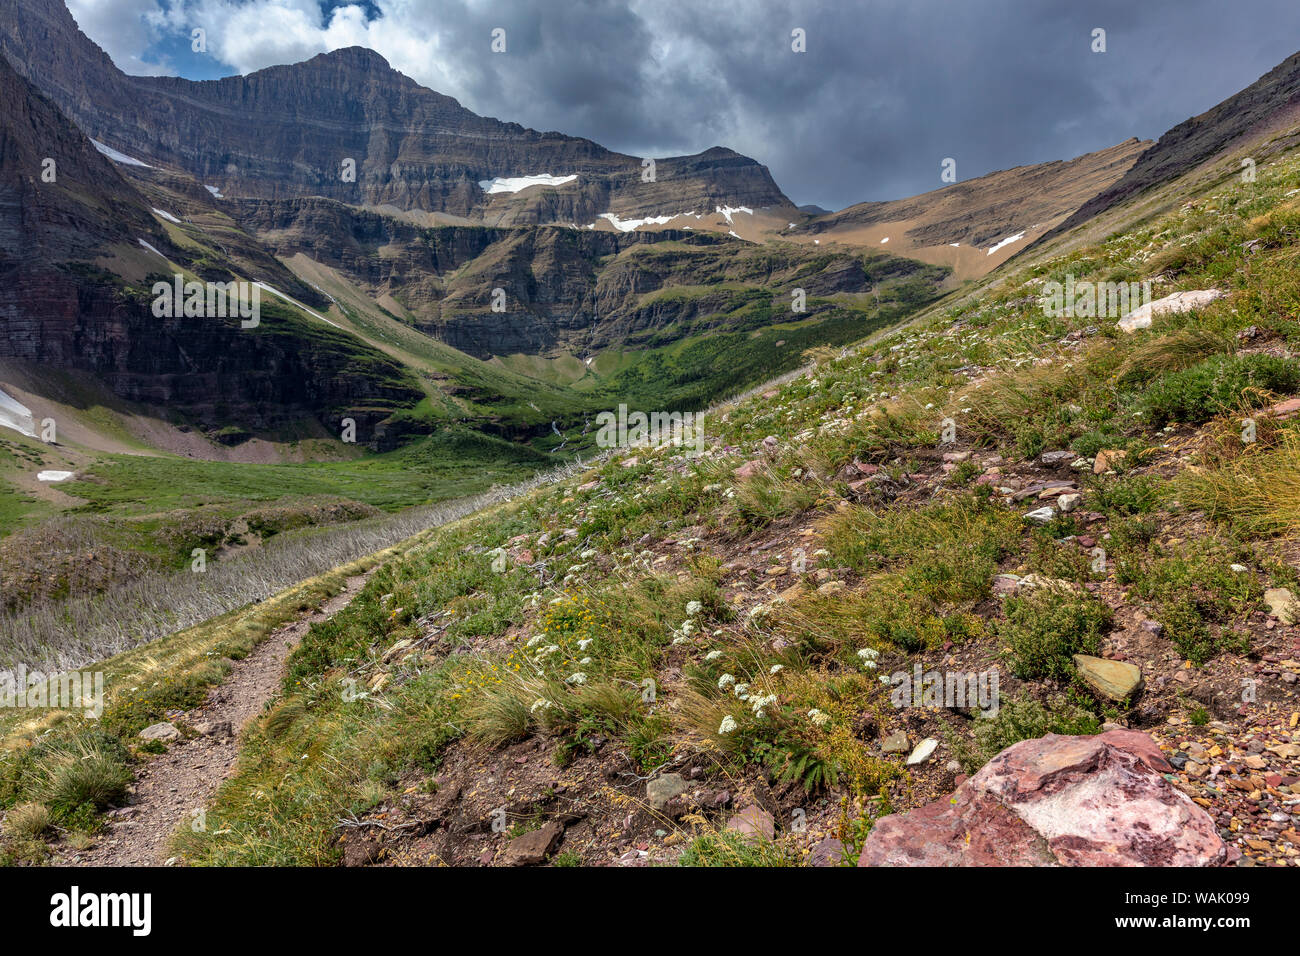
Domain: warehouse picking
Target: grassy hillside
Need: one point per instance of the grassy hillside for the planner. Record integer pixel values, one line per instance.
(730, 617)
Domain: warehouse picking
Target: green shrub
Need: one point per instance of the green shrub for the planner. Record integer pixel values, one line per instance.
(77, 776)
(728, 848)
(1047, 627)
(1217, 385)
(1128, 496)
(1023, 718)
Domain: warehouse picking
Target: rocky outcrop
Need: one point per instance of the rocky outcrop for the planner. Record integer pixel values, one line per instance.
(1056, 801)
(59, 309)
(286, 131)
(566, 289)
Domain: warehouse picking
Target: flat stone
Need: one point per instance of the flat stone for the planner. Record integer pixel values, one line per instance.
(161, 731)
(1006, 583)
(1116, 680)
(895, 743)
(662, 788)
(1142, 317)
(1041, 515)
(829, 852)
(533, 847)
(214, 728)
(1101, 800)
(753, 822)
(1282, 604)
(1106, 459)
(923, 751)
(1284, 410)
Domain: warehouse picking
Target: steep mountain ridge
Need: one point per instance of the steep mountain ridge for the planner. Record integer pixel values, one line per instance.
(1272, 101)
(82, 249)
(287, 131)
(977, 224)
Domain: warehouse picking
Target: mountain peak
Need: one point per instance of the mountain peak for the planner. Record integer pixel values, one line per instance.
(355, 58)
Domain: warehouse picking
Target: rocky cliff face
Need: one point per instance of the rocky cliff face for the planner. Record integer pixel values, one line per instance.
(287, 131)
(59, 309)
(565, 289)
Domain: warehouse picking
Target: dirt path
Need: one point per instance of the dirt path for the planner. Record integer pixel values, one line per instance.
(171, 787)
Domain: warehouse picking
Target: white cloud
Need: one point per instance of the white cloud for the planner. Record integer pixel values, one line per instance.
(124, 28)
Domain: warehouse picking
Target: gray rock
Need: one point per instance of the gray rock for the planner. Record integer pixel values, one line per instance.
(161, 731)
(895, 743)
(1041, 515)
(662, 788)
(214, 728)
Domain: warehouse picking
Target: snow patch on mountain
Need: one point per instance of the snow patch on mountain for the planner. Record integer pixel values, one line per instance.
(728, 211)
(1006, 242)
(117, 157)
(512, 184)
(166, 215)
(627, 225)
(297, 304)
(17, 416)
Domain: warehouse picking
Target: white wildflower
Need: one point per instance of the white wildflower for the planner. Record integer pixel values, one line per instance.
(728, 725)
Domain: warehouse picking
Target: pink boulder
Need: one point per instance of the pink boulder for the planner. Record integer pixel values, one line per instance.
(1056, 801)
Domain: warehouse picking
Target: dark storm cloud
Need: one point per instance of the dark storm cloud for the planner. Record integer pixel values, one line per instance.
(885, 91)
